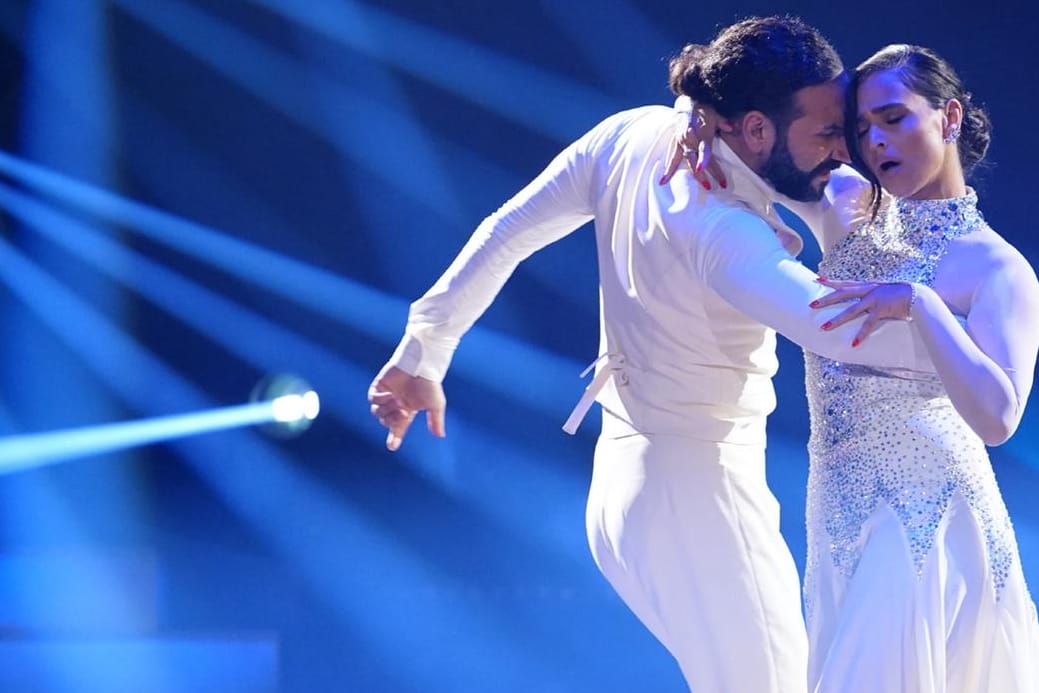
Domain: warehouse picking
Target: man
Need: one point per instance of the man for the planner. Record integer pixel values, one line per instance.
(680, 519)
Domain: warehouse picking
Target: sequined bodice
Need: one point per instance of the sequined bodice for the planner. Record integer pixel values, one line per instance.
(881, 436)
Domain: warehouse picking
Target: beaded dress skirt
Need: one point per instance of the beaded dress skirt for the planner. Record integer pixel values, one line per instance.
(913, 582)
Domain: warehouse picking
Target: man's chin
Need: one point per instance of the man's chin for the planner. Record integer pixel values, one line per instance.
(809, 193)
(816, 192)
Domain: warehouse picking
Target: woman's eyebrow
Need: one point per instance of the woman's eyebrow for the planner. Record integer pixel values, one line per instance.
(879, 110)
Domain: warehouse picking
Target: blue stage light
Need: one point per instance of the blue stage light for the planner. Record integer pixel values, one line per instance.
(294, 404)
(285, 405)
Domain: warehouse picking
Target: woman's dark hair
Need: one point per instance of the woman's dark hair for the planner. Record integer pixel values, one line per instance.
(755, 65)
(923, 72)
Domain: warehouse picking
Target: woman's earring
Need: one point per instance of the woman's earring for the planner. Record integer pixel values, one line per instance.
(954, 134)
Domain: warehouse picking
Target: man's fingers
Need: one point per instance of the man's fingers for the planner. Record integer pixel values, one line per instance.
(398, 430)
(380, 396)
(435, 422)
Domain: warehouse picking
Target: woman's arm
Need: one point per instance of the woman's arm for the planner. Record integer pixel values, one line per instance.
(986, 369)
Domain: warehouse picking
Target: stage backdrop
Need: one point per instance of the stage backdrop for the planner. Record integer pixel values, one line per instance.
(195, 194)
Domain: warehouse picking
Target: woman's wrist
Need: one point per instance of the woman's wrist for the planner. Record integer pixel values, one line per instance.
(919, 300)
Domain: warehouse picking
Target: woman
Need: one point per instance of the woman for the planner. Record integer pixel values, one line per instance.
(913, 581)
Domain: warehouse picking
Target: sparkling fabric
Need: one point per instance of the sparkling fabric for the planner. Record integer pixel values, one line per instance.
(889, 437)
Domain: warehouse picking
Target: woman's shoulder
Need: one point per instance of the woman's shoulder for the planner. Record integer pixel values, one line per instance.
(846, 182)
(989, 246)
(993, 256)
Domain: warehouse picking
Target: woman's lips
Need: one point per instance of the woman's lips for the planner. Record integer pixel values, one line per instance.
(887, 167)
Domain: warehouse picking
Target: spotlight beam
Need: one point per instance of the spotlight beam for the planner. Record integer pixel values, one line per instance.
(350, 303)
(22, 452)
(542, 100)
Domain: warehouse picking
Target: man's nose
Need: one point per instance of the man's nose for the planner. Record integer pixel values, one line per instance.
(840, 152)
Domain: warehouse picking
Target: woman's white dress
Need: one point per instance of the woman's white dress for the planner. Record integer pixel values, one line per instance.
(913, 582)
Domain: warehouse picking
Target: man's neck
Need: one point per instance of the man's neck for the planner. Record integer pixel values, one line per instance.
(739, 147)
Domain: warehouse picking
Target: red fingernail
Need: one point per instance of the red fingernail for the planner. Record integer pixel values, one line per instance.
(706, 185)
(820, 279)
(827, 325)
(724, 184)
(855, 342)
(662, 179)
(814, 304)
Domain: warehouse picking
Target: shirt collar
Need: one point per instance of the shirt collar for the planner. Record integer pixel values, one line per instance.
(748, 188)
(752, 190)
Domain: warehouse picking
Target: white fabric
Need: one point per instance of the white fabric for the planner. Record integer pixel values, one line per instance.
(942, 631)
(924, 592)
(687, 532)
(689, 281)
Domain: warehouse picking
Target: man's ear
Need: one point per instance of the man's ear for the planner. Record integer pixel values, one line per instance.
(758, 133)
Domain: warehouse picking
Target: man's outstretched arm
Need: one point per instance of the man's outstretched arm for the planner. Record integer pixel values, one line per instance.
(741, 259)
(553, 205)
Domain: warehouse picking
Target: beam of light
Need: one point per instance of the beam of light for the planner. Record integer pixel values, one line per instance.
(526, 95)
(251, 337)
(66, 105)
(22, 452)
(293, 408)
(546, 382)
(65, 120)
(258, 483)
(270, 347)
(293, 89)
(211, 177)
(384, 138)
(597, 35)
(264, 344)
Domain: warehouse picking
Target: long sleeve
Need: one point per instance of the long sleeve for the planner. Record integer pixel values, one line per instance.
(741, 259)
(554, 204)
(988, 368)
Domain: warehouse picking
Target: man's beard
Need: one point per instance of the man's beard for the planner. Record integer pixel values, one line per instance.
(784, 175)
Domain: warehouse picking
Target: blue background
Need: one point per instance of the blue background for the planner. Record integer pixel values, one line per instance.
(231, 188)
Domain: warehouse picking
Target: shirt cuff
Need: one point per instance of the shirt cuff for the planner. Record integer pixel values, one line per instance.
(418, 359)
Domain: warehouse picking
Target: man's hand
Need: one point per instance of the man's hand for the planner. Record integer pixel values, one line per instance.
(396, 398)
(694, 148)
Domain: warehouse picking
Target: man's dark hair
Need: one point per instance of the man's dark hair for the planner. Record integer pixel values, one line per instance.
(756, 65)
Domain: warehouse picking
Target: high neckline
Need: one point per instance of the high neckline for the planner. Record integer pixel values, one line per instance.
(953, 216)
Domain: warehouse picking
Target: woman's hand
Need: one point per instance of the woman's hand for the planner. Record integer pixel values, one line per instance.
(879, 300)
(694, 148)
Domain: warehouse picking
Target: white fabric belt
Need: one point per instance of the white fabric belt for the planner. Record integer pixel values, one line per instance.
(614, 365)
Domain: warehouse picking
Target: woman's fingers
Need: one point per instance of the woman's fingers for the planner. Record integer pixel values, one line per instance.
(844, 316)
(707, 164)
(838, 296)
(674, 163)
(868, 325)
